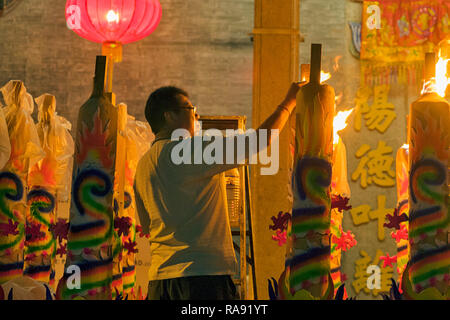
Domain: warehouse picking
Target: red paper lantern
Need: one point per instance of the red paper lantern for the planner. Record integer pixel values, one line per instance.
(113, 21)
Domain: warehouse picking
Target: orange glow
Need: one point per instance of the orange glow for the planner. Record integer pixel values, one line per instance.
(339, 124)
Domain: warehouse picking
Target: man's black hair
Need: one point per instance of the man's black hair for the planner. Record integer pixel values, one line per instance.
(159, 101)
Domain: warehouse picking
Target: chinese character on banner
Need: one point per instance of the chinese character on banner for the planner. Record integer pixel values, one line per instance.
(375, 166)
(370, 276)
(363, 214)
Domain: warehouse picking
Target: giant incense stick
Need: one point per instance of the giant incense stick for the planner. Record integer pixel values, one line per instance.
(119, 185)
(44, 179)
(308, 256)
(25, 152)
(401, 235)
(339, 188)
(138, 137)
(429, 219)
(91, 212)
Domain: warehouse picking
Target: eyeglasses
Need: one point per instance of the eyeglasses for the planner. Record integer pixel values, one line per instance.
(194, 108)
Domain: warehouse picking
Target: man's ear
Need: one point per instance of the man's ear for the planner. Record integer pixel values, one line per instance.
(168, 117)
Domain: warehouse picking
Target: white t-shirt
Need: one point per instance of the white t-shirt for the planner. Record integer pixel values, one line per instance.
(185, 209)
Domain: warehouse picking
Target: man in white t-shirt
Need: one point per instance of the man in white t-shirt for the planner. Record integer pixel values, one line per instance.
(184, 206)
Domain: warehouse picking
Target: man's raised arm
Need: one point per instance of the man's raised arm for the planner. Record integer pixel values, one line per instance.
(278, 119)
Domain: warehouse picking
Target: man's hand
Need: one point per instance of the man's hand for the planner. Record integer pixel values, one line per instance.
(291, 97)
(279, 117)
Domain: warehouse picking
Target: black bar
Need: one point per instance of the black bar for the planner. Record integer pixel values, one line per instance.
(316, 63)
(430, 65)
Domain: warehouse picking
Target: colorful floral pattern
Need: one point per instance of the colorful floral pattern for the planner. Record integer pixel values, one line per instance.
(408, 29)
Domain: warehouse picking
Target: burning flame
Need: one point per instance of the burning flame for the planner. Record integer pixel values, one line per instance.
(112, 16)
(338, 98)
(405, 146)
(324, 76)
(336, 63)
(340, 123)
(442, 81)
